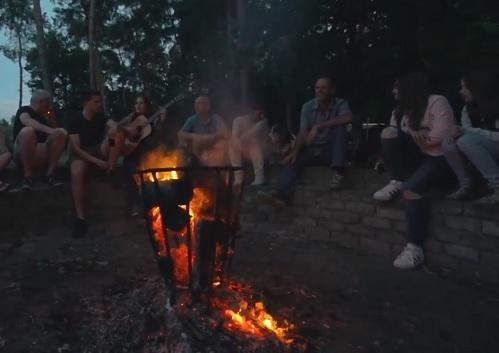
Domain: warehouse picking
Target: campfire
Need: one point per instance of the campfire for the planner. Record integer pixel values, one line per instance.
(192, 216)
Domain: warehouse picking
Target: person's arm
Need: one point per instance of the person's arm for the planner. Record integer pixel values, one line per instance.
(465, 119)
(186, 134)
(29, 121)
(260, 129)
(442, 122)
(74, 142)
(343, 117)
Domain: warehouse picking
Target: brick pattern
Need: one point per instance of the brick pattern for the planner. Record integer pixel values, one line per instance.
(462, 238)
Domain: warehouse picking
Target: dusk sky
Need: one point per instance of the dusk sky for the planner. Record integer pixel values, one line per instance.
(9, 77)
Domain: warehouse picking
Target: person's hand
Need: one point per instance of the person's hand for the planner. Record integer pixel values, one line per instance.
(58, 130)
(102, 164)
(163, 115)
(290, 158)
(455, 133)
(421, 137)
(312, 134)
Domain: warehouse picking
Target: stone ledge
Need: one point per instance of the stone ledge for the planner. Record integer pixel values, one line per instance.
(464, 237)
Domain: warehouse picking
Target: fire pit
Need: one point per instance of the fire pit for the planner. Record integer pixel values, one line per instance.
(192, 219)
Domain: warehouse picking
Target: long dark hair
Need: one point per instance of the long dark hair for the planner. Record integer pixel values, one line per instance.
(414, 90)
(483, 110)
(147, 102)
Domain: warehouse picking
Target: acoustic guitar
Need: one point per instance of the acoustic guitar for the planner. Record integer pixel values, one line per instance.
(141, 127)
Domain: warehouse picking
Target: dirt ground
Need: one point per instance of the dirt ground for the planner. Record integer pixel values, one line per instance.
(342, 301)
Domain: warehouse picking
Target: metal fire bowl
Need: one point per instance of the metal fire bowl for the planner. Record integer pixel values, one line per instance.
(167, 193)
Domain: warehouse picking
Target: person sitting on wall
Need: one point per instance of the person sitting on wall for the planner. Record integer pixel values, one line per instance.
(413, 155)
(477, 139)
(142, 108)
(95, 142)
(205, 134)
(5, 157)
(322, 139)
(249, 140)
(38, 141)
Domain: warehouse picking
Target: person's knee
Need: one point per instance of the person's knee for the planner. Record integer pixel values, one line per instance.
(58, 137)
(411, 195)
(389, 133)
(27, 133)
(466, 141)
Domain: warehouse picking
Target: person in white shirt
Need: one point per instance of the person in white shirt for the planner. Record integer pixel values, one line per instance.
(477, 139)
(250, 135)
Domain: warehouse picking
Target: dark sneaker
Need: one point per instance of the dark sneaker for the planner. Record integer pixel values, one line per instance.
(491, 199)
(336, 181)
(461, 194)
(79, 228)
(26, 184)
(53, 182)
(271, 198)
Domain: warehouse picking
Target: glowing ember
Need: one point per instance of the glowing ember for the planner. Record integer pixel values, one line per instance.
(253, 319)
(180, 259)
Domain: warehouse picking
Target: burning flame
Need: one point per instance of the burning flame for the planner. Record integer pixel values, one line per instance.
(161, 158)
(253, 319)
(256, 320)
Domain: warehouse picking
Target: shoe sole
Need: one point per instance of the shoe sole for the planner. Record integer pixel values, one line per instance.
(269, 200)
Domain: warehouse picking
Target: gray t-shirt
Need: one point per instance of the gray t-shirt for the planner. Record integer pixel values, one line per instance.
(312, 115)
(194, 125)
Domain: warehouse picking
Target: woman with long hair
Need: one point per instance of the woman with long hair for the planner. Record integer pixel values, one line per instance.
(413, 156)
(477, 139)
(141, 108)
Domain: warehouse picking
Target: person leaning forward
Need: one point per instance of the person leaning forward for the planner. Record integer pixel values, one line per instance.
(95, 142)
(38, 142)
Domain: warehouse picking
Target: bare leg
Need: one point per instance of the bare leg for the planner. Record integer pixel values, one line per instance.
(117, 149)
(27, 147)
(78, 168)
(56, 145)
(5, 159)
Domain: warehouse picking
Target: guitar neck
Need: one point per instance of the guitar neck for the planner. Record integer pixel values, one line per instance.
(165, 107)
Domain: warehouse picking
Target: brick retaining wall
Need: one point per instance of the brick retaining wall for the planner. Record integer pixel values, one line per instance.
(464, 238)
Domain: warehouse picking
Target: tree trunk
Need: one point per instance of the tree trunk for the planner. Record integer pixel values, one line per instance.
(41, 45)
(20, 64)
(91, 44)
(94, 60)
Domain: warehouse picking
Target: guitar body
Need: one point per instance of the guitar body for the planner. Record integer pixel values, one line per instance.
(141, 127)
(136, 131)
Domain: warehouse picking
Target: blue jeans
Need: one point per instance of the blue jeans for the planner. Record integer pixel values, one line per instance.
(333, 153)
(406, 162)
(418, 172)
(484, 154)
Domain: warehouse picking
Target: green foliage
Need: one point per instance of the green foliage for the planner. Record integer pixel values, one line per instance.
(165, 47)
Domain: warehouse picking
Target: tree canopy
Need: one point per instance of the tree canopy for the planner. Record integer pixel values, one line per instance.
(277, 47)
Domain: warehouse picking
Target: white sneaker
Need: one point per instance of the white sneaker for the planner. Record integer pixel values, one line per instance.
(392, 189)
(411, 257)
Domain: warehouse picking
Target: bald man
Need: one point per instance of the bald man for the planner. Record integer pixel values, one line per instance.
(322, 140)
(205, 134)
(38, 140)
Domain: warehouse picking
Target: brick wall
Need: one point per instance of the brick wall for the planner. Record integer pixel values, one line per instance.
(464, 238)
